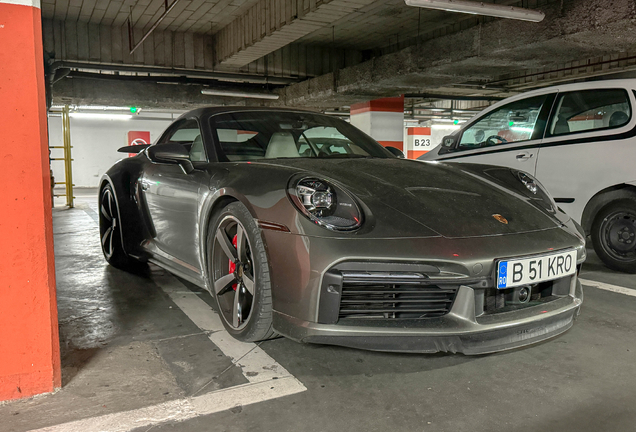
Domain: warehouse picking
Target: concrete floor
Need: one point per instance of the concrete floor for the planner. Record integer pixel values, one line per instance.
(126, 345)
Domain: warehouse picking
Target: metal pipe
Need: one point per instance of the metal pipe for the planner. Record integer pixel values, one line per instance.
(480, 8)
(564, 69)
(154, 26)
(130, 33)
(168, 71)
(452, 97)
(68, 170)
(177, 80)
(240, 94)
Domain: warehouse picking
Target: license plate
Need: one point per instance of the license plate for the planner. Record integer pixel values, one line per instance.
(532, 270)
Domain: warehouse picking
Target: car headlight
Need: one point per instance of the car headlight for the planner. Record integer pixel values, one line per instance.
(581, 252)
(537, 191)
(528, 181)
(325, 204)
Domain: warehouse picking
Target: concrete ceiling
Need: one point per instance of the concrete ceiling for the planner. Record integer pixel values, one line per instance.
(364, 24)
(325, 53)
(198, 16)
(380, 24)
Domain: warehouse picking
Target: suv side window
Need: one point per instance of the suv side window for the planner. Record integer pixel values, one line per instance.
(590, 110)
(188, 134)
(513, 122)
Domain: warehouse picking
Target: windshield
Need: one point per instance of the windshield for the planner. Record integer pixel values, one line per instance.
(252, 135)
(513, 122)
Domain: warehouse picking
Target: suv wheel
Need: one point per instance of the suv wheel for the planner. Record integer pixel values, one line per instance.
(614, 235)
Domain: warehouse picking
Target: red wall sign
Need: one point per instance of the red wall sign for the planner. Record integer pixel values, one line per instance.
(137, 138)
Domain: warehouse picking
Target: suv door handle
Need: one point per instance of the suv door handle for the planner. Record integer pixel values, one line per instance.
(524, 156)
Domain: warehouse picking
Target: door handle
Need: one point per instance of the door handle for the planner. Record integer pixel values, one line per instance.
(144, 186)
(524, 156)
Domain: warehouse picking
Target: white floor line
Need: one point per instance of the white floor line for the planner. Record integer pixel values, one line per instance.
(256, 365)
(267, 379)
(609, 287)
(183, 409)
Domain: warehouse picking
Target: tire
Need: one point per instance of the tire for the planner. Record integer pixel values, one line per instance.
(110, 232)
(238, 272)
(614, 235)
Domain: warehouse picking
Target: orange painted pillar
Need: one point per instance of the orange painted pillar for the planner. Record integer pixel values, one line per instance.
(29, 340)
(381, 119)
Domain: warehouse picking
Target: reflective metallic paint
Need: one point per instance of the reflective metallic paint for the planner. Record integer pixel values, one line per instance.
(430, 213)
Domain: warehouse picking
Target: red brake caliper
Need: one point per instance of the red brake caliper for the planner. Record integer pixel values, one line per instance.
(232, 265)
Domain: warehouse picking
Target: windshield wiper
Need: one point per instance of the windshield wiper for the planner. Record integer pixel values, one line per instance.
(345, 156)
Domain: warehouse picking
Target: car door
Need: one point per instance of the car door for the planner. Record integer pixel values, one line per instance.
(507, 136)
(587, 147)
(172, 197)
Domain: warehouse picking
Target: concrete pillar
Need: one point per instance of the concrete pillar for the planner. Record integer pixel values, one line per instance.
(29, 340)
(382, 119)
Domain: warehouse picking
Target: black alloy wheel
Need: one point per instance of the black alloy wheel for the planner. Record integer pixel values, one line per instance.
(239, 274)
(110, 232)
(614, 235)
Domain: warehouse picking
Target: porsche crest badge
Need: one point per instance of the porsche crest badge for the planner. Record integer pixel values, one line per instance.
(500, 218)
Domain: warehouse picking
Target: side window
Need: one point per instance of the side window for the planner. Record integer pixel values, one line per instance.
(590, 110)
(188, 134)
(513, 122)
(239, 144)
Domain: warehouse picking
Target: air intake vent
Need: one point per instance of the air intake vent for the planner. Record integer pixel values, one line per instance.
(400, 299)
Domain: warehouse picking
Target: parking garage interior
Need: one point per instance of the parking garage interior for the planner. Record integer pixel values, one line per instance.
(88, 346)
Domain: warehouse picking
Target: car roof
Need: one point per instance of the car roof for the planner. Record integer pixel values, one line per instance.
(629, 84)
(600, 84)
(208, 111)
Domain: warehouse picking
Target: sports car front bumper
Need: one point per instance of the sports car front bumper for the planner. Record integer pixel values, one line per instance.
(308, 304)
(458, 331)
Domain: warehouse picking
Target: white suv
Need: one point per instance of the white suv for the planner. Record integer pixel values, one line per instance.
(579, 140)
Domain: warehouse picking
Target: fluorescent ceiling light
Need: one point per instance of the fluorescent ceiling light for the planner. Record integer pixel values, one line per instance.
(480, 8)
(445, 127)
(521, 129)
(239, 94)
(102, 108)
(99, 116)
(446, 120)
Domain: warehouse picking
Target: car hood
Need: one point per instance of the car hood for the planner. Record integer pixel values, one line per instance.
(451, 200)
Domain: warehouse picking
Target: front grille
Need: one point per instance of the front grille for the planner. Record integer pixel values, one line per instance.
(405, 299)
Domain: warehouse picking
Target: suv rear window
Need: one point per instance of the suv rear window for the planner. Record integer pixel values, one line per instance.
(590, 110)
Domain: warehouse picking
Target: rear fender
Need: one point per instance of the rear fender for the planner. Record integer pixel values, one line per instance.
(123, 181)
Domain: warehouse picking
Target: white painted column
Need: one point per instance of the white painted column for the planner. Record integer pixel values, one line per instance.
(382, 119)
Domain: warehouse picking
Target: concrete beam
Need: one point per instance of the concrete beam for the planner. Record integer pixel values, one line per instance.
(84, 91)
(272, 24)
(573, 30)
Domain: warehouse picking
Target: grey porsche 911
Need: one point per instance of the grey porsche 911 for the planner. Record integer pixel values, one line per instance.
(301, 225)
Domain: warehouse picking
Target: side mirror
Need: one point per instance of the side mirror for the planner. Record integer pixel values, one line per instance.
(396, 151)
(448, 141)
(171, 153)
